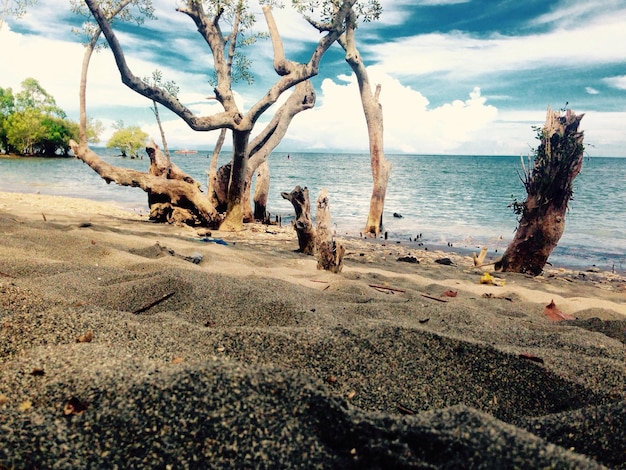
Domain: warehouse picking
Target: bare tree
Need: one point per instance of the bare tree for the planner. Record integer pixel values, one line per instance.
(209, 17)
(171, 87)
(372, 110)
(549, 185)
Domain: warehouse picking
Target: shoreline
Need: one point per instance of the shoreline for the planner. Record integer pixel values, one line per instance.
(154, 345)
(409, 245)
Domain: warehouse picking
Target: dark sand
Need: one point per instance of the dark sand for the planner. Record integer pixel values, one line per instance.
(253, 358)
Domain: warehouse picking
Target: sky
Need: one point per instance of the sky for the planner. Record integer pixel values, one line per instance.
(462, 77)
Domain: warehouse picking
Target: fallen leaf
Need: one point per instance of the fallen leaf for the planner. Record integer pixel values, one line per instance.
(554, 314)
(37, 372)
(4, 400)
(351, 395)
(331, 379)
(86, 338)
(449, 293)
(178, 360)
(486, 278)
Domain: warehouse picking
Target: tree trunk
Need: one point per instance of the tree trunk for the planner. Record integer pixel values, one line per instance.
(261, 191)
(299, 198)
(237, 186)
(373, 111)
(216, 192)
(549, 183)
(158, 120)
(329, 253)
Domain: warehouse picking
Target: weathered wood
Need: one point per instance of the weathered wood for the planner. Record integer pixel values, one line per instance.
(549, 186)
(373, 111)
(261, 191)
(329, 252)
(299, 198)
(173, 200)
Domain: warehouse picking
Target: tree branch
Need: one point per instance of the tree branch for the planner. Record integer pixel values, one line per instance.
(206, 123)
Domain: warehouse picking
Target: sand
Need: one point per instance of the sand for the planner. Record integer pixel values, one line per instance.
(127, 344)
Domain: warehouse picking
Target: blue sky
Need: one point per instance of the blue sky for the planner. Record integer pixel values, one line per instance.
(458, 77)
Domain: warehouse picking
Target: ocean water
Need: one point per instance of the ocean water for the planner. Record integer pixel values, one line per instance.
(457, 200)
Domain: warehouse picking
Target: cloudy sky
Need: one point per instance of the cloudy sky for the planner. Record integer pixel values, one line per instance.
(457, 76)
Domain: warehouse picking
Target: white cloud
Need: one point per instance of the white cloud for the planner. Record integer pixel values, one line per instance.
(617, 82)
(460, 53)
(591, 91)
(410, 125)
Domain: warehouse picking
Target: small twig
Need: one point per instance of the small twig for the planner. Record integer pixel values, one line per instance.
(322, 282)
(404, 410)
(5, 275)
(44, 217)
(385, 288)
(433, 298)
(153, 303)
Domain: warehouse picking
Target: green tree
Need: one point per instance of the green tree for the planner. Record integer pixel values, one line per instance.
(32, 123)
(7, 107)
(34, 96)
(129, 140)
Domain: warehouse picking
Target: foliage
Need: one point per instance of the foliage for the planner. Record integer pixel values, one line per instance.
(139, 11)
(7, 107)
(129, 140)
(549, 173)
(94, 129)
(32, 123)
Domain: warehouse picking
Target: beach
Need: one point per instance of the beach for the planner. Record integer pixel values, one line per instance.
(128, 344)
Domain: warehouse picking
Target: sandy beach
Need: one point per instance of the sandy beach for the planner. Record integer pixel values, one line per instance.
(127, 344)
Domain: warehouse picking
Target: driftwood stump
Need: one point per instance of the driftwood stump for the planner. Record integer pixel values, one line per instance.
(329, 253)
(299, 198)
(549, 183)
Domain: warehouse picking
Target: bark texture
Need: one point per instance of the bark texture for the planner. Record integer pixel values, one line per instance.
(329, 252)
(299, 198)
(548, 183)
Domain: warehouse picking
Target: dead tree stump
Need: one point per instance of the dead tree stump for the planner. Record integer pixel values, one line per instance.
(299, 198)
(329, 252)
(549, 184)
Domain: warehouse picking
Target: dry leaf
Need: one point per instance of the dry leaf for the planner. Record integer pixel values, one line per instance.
(86, 338)
(554, 314)
(449, 293)
(351, 395)
(4, 400)
(178, 360)
(331, 379)
(37, 372)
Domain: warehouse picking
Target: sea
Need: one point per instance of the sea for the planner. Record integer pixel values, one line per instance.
(454, 202)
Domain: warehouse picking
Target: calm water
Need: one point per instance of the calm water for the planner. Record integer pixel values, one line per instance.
(448, 199)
